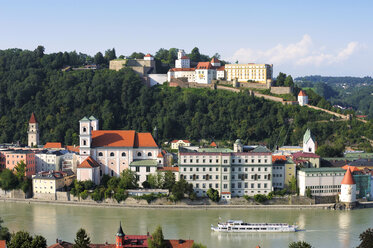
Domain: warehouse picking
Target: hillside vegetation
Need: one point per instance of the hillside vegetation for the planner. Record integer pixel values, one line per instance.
(31, 81)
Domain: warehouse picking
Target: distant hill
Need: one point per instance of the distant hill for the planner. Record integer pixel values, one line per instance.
(31, 81)
(347, 92)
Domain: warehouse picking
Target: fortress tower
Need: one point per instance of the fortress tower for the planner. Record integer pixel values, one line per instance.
(33, 132)
(302, 98)
(348, 188)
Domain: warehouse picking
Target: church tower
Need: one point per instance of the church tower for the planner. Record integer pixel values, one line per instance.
(119, 237)
(33, 132)
(85, 138)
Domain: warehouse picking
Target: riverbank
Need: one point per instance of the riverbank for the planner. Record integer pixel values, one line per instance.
(174, 206)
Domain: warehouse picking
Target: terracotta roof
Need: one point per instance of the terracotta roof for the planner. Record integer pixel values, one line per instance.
(348, 179)
(204, 65)
(160, 155)
(213, 144)
(278, 157)
(305, 155)
(302, 93)
(175, 169)
(182, 69)
(73, 148)
(32, 118)
(148, 55)
(180, 243)
(225, 193)
(352, 168)
(2, 243)
(184, 57)
(89, 163)
(53, 145)
(215, 60)
(144, 140)
(175, 141)
(121, 138)
(221, 68)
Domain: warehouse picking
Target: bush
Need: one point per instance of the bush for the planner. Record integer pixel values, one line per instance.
(308, 193)
(84, 194)
(247, 198)
(213, 194)
(270, 195)
(120, 195)
(97, 195)
(260, 198)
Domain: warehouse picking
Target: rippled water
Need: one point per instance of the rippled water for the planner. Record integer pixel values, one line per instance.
(324, 228)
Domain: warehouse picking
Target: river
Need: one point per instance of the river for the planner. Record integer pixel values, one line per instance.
(323, 228)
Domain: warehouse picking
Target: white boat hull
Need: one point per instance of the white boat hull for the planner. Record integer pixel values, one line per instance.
(242, 227)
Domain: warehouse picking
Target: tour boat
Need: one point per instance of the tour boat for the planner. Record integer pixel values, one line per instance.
(240, 226)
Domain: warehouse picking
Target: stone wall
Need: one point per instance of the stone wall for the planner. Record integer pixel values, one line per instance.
(157, 79)
(326, 199)
(45, 196)
(14, 194)
(281, 90)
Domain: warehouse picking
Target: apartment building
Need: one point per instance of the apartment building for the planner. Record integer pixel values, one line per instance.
(249, 72)
(231, 172)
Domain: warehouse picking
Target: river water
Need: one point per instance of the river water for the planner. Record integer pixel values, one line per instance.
(323, 228)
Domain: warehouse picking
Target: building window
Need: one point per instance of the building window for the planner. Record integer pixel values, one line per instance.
(232, 186)
(139, 154)
(225, 186)
(147, 169)
(112, 173)
(149, 154)
(84, 142)
(137, 169)
(123, 154)
(112, 154)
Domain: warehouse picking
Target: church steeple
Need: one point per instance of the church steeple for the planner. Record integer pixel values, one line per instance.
(119, 241)
(33, 131)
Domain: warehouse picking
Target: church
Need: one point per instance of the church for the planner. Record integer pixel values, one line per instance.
(112, 151)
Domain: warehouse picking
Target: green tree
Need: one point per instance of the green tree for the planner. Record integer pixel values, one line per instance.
(157, 239)
(293, 185)
(8, 180)
(20, 239)
(4, 232)
(198, 245)
(308, 193)
(181, 188)
(20, 169)
(39, 242)
(213, 194)
(128, 179)
(110, 54)
(280, 80)
(289, 81)
(99, 59)
(195, 56)
(366, 239)
(169, 180)
(299, 244)
(82, 239)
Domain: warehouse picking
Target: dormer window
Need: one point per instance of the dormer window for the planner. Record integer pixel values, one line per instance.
(100, 154)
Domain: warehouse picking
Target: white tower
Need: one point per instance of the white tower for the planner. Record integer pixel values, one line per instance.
(302, 98)
(237, 146)
(85, 138)
(180, 54)
(94, 123)
(33, 132)
(348, 188)
(148, 57)
(182, 60)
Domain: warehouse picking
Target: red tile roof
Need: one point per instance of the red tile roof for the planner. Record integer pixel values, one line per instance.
(2, 244)
(352, 168)
(221, 68)
(184, 57)
(302, 93)
(305, 155)
(213, 144)
(73, 148)
(278, 157)
(348, 179)
(215, 60)
(175, 169)
(121, 138)
(53, 145)
(182, 69)
(179, 243)
(32, 118)
(204, 65)
(89, 163)
(148, 55)
(160, 155)
(225, 193)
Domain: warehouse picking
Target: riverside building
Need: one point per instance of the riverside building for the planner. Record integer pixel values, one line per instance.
(231, 172)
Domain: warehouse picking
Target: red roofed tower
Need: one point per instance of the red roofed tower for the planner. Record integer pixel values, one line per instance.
(119, 237)
(348, 188)
(33, 132)
(302, 98)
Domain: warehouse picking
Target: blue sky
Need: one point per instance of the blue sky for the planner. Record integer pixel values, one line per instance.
(317, 37)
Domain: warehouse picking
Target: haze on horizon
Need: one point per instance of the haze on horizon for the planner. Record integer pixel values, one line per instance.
(331, 38)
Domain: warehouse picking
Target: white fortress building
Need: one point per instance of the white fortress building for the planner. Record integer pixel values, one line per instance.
(348, 188)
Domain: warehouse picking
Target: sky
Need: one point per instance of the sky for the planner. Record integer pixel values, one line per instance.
(330, 38)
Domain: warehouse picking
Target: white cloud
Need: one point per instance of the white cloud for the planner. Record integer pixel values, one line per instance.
(301, 53)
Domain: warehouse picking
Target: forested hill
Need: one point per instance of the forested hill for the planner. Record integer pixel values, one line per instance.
(31, 81)
(347, 92)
